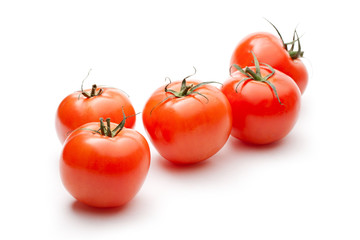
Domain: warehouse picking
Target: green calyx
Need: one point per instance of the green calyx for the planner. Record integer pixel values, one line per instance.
(185, 89)
(294, 54)
(93, 91)
(105, 130)
(256, 76)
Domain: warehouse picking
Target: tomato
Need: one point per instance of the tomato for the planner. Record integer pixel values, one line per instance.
(86, 106)
(265, 104)
(101, 170)
(187, 122)
(272, 50)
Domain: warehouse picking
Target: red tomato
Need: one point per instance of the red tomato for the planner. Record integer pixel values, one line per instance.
(263, 111)
(271, 50)
(186, 122)
(104, 171)
(77, 109)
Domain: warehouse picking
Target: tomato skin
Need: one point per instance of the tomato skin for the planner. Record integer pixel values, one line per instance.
(76, 110)
(269, 49)
(101, 171)
(258, 117)
(189, 129)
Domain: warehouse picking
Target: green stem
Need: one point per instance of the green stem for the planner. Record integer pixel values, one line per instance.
(102, 127)
(255, 76)
(185, 91)
(109, 132)
(93, 90)
(106, 130)
(296, 54)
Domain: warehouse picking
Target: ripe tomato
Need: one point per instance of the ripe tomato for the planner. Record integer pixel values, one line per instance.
(265, 107)
(272, 50)
(101, 170)
(189, 122)
(78, 108)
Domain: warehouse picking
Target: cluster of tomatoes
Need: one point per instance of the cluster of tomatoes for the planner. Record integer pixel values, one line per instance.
(104, 162)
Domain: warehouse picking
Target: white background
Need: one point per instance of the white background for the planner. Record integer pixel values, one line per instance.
(304, 187)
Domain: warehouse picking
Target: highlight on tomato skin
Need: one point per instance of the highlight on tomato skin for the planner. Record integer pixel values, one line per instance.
(78, 108)
(187, 121)
(265, 103)
(104, 170)
(272, 50)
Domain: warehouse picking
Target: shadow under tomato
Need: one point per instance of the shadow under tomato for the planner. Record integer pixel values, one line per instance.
(83, 209)
(182, 168)
(231, 159)
(238, 145)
